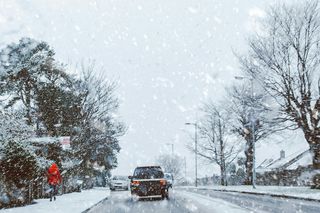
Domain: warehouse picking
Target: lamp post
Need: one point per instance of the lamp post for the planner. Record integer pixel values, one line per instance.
(196, 150)
(171, 159)
(172, 147)
(252, 122)
(185, 166)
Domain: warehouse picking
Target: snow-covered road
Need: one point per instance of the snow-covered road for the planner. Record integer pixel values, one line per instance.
(204, 201)
(179, 202)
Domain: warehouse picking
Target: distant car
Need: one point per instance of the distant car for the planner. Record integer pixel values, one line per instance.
(169, 178)
(119, 182)
(149, 182)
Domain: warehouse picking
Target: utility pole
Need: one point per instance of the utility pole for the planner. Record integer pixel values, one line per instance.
(172, 148)
(253, 123)
(185, 167)
(196, 149)
(172, 153)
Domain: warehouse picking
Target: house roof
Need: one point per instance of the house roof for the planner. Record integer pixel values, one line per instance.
(304, 160)
(291, 162)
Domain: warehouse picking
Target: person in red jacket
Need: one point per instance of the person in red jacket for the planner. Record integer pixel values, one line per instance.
(54, 179)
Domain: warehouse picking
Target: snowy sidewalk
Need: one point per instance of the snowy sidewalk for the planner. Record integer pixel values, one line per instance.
(76, 202)
(279, 191)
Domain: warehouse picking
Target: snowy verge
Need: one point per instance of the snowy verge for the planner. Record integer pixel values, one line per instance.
(293, 192)
(73, 202)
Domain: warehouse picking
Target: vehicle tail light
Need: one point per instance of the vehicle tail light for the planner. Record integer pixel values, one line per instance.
(163, 182)
(135, 182)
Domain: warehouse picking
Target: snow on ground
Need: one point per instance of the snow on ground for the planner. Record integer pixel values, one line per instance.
(73, 202)
(299, 192)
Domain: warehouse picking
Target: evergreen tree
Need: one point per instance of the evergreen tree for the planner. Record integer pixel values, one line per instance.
(59, 110)
(21, 65)
(19, 165)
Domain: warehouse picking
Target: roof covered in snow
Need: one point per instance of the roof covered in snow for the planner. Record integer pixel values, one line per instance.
(290, 162)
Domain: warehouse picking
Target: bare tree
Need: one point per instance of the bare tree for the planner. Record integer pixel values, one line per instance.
(286, 59)
(216, 145)
(172, 164)
(98, 140)
(99, 94)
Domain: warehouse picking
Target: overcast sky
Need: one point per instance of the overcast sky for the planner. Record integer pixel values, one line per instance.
(169, 56)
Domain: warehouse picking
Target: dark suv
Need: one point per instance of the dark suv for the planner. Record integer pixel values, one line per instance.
(149, 182)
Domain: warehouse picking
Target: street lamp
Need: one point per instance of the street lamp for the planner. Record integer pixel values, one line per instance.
(171, 159)
(196, 150)
(252, 122)
(185, 166)
(172, 147)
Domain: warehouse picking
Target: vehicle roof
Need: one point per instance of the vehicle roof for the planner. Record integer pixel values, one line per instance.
(148, 166)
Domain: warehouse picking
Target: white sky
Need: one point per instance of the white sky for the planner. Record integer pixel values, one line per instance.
(168, 56)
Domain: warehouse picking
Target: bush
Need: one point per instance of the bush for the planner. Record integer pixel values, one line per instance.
(316, 182)
(18, 166)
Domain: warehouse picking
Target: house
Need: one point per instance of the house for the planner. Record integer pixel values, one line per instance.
(293, 170)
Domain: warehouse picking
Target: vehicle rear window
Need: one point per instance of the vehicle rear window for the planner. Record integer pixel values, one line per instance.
(148, 173)
(168, 176)
(119, 178)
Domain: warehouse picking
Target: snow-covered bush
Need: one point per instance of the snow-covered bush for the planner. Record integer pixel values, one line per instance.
(316, 179)
(4, 199)
(19, 165)
(10, 196)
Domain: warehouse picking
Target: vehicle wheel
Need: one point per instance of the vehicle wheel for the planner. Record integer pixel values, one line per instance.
(112, 189)
(164, 194)
(167, 195)
(134, 198)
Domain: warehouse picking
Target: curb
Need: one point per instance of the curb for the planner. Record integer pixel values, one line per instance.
(91, 207)
(262, 194)
(259, 193)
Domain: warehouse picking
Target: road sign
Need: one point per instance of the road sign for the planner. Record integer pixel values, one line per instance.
(65, 142)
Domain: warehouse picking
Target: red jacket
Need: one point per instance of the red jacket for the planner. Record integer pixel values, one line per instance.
(54, 177)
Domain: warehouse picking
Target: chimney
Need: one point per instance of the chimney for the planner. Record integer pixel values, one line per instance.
(282, 154)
